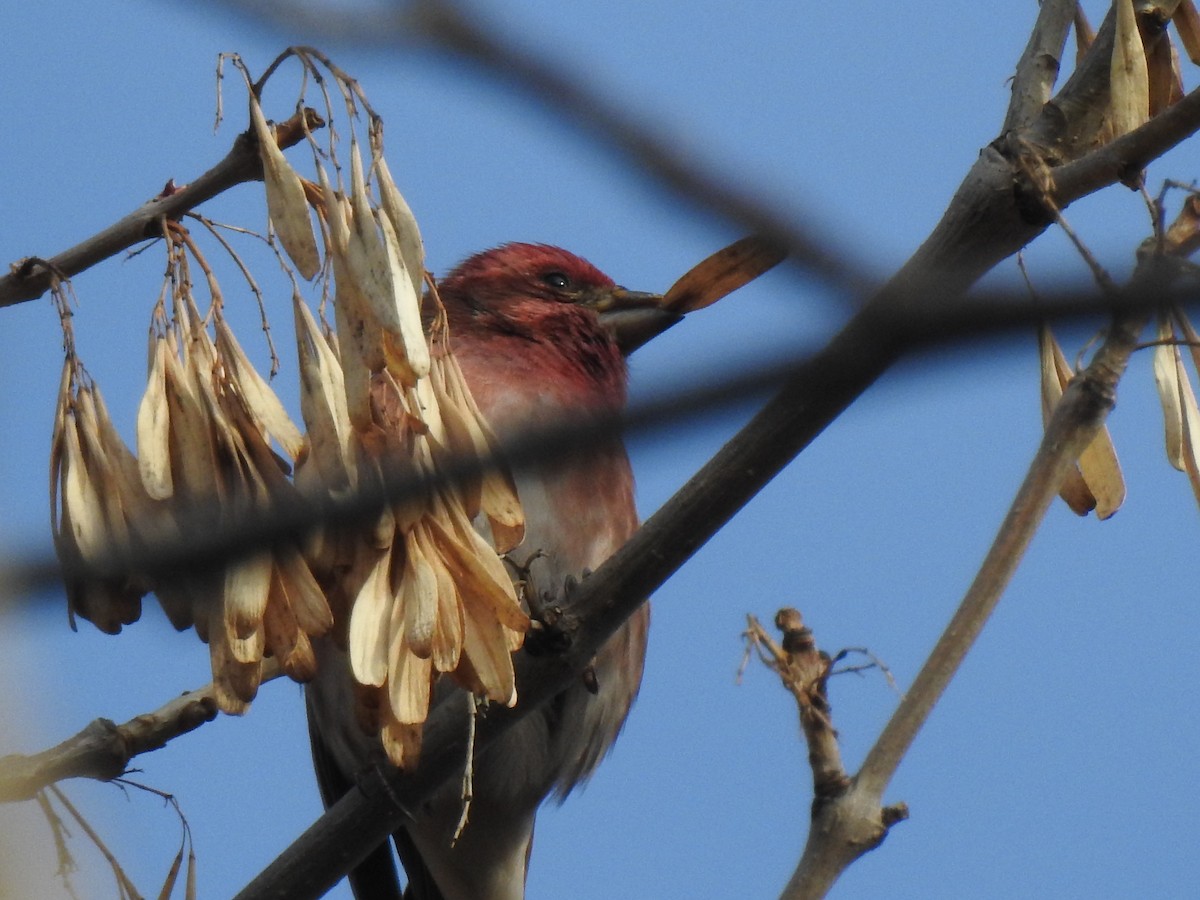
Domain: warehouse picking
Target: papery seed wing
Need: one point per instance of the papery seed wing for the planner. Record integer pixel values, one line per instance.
(486, 649)
(287, 204)
(411, 335)
(1187, 24)
(154, 427)
(412, 248)
(447, 641)
(285, 639)
(1129, 78)
(261, 401)
(1055, 374)
(322, 402)
(369, 625)
(478, 573)
(409, 684)
(247, 587)
(1166, 380)
(1191, 430)
(418, 594)
(305, 597)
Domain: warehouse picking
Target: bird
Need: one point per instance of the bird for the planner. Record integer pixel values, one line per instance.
(541, 337)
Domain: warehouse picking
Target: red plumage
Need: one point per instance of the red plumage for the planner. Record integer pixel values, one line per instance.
(525, 330)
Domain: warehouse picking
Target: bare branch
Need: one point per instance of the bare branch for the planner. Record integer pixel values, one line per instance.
(1038, 67)
(103, 749)
(1122, 159)
(30, 278)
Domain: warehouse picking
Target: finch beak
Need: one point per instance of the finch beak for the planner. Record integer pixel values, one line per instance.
(631, 317)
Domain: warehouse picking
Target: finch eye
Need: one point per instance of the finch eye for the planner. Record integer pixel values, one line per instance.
(557, 280)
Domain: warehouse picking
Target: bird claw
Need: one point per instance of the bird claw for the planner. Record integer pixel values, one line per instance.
(550, 627)
(548, 633)
(590, 682)
(571, 583)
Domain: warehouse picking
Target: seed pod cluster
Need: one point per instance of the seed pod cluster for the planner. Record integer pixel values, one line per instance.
(420, 592)
(414, 594)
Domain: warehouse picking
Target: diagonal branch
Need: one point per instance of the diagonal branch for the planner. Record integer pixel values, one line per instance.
(32, 277)
(847, 826)
(1037, 70)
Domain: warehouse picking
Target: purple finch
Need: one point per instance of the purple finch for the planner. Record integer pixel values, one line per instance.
(540, 336)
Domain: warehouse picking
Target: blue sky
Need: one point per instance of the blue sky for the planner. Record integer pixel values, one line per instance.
(1062, 760)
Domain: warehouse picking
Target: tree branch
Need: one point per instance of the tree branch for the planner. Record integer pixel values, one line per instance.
(849, 825)
(29, 278)
(986, 222)
(103, 749)
(1037, 70)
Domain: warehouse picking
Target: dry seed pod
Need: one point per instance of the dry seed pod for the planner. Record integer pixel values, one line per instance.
(1165, 81)
(154, 426)
(1074, 490)
(1166, 379)
(414, 363)
(469, 434)
(262, 403)
(1187, 24)
(89, 514)
(411, 678)
(412, 248)
(1129, 78)
(1096, 481)
(1191, 428)
(285, 640)
(368, 640)
(323, 403)
(415, 599)
(446, 645)
(401, 742)
(287, 204)
(378, 272)
(479, 570)
(247, 587)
